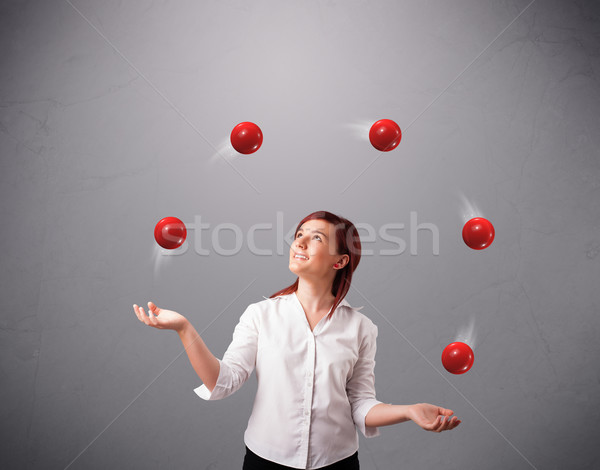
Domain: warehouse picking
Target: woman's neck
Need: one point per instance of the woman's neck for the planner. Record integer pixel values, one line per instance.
(314, 297)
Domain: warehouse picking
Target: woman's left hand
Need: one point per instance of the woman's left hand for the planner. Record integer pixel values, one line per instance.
(433, 418)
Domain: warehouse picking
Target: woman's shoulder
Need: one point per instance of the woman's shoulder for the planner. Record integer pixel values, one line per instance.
(354, 314)
(267, 304)
(268, 301)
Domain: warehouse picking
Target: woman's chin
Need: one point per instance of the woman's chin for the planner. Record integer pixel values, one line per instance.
(294, 268)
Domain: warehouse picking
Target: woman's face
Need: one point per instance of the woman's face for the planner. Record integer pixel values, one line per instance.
(313, 253)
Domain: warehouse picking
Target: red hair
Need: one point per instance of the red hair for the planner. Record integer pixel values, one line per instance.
(347, 242)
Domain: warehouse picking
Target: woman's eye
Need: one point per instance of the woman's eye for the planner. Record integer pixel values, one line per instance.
(316, 236)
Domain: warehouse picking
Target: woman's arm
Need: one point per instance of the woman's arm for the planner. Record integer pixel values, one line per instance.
(429, 417)
(203, 361)
(386, 415)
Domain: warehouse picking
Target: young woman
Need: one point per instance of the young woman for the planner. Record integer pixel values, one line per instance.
(314, 357)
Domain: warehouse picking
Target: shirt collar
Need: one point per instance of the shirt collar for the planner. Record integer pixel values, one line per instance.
(343, 303)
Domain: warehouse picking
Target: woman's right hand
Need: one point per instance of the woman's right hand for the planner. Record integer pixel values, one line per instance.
(160, 318)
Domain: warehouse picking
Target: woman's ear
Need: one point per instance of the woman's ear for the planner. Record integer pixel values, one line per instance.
(342, 262)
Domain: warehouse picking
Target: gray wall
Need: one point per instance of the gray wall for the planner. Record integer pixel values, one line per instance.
(117, 114)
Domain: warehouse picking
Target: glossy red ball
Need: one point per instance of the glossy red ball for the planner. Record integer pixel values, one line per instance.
(385, 135)
(478, 233)
(246, 137)
(457, 358)
(170, 233)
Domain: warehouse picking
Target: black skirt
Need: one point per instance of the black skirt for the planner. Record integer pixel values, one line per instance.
(254, 462)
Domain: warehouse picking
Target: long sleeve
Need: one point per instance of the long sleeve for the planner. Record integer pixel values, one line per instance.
(361, 386)
(238, 361)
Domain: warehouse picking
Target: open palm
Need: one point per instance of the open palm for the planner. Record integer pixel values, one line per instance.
(433, 418)
(160, 318)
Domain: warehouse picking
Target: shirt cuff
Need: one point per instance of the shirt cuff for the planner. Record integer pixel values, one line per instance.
(220, 391)
(361, 413)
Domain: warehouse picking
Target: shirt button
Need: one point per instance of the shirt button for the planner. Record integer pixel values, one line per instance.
(306, 412)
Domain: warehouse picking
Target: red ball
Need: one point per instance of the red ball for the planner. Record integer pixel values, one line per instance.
(246, 137)
(478, 233)
(170, 233)
(457, 358)
(385, 135)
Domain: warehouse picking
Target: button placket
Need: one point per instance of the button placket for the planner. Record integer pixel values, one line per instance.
(308, 390)
(308, 393)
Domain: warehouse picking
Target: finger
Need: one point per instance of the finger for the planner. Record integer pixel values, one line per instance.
(139, 313)
(135, 309)
(153, 320)
(447, 424)
(455, 423)
(445, 411)
(452, 423)
(439, 422)
(144, 316)
(436, 424)
(154, 308)
(443, 424)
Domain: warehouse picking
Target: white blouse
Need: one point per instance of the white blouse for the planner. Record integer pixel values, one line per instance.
(314, 387)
